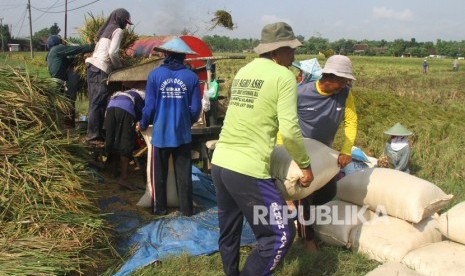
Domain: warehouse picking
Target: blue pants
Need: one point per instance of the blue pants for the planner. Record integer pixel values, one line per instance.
(237, 194)
(98, 99)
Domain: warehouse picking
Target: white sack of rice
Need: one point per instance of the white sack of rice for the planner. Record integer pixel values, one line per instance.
(452, 223)
(171, 189)
(344, 216)
(287, 173)
(446, 258)
(393, 268)
(401, 195)
(387, 238)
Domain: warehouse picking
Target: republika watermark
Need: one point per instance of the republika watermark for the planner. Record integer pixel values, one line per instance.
(321, 215)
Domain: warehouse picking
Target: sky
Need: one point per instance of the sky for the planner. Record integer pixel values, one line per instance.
(331, 19)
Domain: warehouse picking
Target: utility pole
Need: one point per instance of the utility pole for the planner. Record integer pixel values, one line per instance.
(1, 30)
(66, 17)
(30, 28)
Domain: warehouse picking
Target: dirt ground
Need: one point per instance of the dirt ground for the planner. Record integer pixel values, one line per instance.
(115, 198)
(118, 198)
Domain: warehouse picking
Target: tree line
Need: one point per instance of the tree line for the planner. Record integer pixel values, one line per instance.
(316, 45)
(312, 46)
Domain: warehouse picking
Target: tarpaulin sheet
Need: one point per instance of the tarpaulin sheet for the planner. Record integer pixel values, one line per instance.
(170, 236)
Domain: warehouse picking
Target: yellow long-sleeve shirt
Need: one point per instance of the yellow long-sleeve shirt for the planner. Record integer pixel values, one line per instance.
(349, 120)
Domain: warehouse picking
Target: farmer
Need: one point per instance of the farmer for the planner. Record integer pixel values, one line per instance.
(455, 65)
(123, 111)
(322, 106)
(425, 67)
(59, 61)
(172, 105)
(104, 59)
(397, 149)
(263, 100)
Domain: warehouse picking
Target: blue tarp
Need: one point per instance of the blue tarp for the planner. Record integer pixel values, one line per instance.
(163, 237)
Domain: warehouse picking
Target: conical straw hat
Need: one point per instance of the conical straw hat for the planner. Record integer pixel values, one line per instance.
(398, 130)
(175, 45)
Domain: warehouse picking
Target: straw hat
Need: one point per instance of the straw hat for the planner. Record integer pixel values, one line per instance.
(276, 35)
(398, 130)
(175, 45)
(340, 66)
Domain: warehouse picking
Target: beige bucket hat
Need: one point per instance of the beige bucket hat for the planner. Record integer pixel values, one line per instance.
(340, 66)
(276, 35)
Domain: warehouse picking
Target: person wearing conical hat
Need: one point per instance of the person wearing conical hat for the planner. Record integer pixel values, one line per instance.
(172, 106)
(397, 149)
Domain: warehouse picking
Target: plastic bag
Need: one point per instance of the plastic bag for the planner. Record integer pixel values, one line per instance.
(359, 155)
(205, 99)
(213, 90)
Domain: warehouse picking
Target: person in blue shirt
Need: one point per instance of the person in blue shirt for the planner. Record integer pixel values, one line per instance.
(425, 67)
(123, 111)
(172, 106)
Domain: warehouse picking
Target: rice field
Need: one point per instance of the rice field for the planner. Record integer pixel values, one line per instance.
(387, 90)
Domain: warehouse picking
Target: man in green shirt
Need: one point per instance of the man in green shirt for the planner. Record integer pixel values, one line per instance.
(59, 61)
(263, 101)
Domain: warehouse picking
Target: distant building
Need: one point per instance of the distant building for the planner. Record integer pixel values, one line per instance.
(380, 50)
(14, 47)
(437, 56)
(360, 48)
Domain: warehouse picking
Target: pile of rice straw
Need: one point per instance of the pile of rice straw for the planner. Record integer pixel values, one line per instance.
(48, 223)
(222, 18)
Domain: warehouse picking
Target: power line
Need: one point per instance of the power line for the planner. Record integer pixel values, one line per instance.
(61, 5)
(22, 22)
(43, 11)
(47, 11)
(51, 7)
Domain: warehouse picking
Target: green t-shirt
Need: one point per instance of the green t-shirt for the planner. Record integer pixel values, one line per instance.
(263, 101)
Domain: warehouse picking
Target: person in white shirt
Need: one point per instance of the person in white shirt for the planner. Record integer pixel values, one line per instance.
(103, 61)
